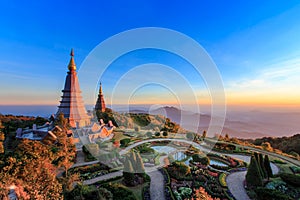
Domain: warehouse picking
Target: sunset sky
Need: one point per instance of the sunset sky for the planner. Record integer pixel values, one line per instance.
(255, 45)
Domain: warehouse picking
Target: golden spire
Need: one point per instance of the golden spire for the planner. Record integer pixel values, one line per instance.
(72, 65)
(100, 89)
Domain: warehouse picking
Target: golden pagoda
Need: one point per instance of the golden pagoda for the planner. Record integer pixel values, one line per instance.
(71, 104)
(100, 104)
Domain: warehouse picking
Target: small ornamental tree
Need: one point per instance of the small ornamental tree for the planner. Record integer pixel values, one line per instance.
(268, 166)
(139, 164)
(253, 176)
(204, 134)
(267, 146)
(2, 138)
(226, 137)
(190, 135)
(124, 142)
(204, 160)
(165, 133)
(137, 129)
(256, 155)
(149, 134)
(262, 166)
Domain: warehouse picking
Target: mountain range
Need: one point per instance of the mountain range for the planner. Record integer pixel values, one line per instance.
(240, 124)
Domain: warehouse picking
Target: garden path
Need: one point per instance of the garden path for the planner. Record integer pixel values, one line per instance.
(157, 185)
(104, 177)
(78, 164)
(235, 183)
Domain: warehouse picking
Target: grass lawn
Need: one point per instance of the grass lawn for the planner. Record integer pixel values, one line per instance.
(284, 168)
(119, 136)
(137, 191)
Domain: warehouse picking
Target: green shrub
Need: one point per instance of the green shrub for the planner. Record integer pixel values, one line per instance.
(253, 176)
(119, 192)
(295, 169)
(204, 160)
(269, 194)
(190, 135)
(222, 180)
(149, 134)
(291, 179)
(278, 161)
(124, 142)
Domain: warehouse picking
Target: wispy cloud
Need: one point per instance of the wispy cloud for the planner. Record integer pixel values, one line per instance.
(277, 83)
(282, 74)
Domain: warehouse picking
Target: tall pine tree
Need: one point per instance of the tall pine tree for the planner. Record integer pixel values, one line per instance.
(262, 166)
(268, 166)
(256, 155)
(139, 163)
(253, 176)
(2, 138)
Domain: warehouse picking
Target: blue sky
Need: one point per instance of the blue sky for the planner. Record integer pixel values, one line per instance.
(255, 44)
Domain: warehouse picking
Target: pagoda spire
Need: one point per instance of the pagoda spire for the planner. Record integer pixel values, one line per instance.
(71, 104)
(72, 65)
(100, 104)
(100, 89)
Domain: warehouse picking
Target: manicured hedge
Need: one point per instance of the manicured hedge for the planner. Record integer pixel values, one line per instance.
(291, 179)
(295, 169)
(146, 192)
(264, 193)
(222, 180)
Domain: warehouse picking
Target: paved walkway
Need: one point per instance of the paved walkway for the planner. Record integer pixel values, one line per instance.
(103, 178)
(157, 185)
(235, 183)
(85, 163)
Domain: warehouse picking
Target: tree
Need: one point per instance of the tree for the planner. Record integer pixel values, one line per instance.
(63, 122)
(68, 181)
(267, 146)
(139, 163)
(268, 166)
(204, 160)
(190, 136)
(256, 155)
(127, 165)
(33, 167)
(157, 134)
(201, 194)
(124, 142)
(149, 134)
(180, 169)
(204, 134)
(253, 176)
(165, 133)
(137, 129)
(295, 154)
(2, 138)
(128, 172)
(262, 166)
(226, 137)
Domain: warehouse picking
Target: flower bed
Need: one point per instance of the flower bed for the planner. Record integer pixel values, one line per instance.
(222, 179)
(211, 179)
(88, 175)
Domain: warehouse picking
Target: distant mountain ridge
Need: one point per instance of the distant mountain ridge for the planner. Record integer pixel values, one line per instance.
(241, 125)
